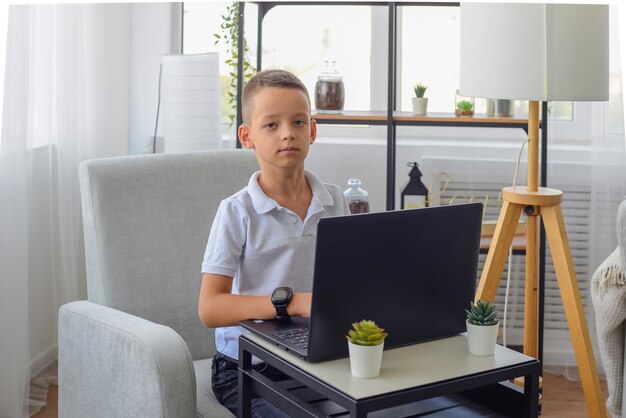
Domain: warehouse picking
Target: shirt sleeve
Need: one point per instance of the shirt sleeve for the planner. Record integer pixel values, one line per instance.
(227, 240)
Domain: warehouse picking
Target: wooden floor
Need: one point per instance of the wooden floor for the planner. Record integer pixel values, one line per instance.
(51, 408)
(561, 398)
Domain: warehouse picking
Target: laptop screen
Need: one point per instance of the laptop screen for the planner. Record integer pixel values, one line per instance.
(413, 272)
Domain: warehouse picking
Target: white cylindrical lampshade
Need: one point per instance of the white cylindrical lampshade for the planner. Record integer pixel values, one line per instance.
(539, 52)
(191, 102)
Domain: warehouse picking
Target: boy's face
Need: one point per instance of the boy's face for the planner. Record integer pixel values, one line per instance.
(280, 128)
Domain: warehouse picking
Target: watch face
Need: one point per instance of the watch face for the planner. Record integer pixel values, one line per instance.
(280, 294)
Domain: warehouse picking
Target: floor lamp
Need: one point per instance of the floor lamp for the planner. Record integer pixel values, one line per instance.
(538, 52)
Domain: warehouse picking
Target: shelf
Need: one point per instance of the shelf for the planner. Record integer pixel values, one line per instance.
(408, 118)
(518, 243)
(363, 117)
(477, 119)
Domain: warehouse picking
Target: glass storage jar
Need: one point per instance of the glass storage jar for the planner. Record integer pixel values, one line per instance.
(463, 106)
(329, 90)
(357, 198)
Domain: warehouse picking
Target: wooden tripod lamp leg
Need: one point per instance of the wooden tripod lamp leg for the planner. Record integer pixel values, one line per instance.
(572, 302)
(531, 293)
(498, 251)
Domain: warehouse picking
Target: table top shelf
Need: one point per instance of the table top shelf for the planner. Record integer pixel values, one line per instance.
(404, 367)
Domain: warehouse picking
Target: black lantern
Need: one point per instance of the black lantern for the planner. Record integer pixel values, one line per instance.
(415, 194)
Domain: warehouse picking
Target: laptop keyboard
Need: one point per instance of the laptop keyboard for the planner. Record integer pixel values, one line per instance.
(298, 336)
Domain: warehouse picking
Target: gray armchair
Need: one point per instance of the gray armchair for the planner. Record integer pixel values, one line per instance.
(136, 347)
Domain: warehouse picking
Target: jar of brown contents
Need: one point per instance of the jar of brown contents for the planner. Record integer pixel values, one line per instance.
(329, 90)
(357, 197)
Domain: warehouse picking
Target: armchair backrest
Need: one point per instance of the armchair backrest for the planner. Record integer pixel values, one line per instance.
(146, 223)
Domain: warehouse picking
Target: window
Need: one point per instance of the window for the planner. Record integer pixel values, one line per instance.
(316, 34)
(300, 38)
(310, 35)
(435, 64)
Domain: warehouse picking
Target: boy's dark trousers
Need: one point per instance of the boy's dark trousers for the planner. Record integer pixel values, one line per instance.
(224, 379)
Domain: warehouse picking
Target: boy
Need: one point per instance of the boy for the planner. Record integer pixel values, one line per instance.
(263, 237)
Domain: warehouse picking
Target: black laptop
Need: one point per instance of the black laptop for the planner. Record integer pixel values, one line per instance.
(413, 272)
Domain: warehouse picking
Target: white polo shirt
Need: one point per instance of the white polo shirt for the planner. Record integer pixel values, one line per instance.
(264, 246)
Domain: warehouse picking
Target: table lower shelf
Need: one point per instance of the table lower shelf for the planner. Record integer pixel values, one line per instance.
(502, 399)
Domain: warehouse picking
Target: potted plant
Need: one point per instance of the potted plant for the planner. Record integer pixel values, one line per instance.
(464, 108)
(482, 328)
(229, 36)
(420, 103)
(366, 341)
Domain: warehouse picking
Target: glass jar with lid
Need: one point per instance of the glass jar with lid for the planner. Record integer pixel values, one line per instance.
(329, 89)
(357, 198)
(463, 105)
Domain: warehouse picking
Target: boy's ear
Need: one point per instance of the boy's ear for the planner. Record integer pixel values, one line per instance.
(313, 125)
(244, 136)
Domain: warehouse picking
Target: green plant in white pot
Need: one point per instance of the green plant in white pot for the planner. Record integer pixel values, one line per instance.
(366, 341)
(482, 328)
(420, 103)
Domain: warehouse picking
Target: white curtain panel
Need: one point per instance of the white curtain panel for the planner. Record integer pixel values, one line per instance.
(604, 176)
(65, 100)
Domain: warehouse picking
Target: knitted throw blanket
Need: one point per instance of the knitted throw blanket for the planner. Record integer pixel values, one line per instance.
(608, 294)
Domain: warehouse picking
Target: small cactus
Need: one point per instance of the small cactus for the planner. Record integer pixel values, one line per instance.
(482, 313)
(366, 333)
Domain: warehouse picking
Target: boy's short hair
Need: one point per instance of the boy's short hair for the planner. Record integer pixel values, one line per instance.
(270, 78)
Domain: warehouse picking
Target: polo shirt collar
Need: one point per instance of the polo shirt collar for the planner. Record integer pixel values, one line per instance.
(263, 204)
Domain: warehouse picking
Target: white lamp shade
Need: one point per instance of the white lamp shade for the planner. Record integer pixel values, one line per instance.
(191, 102)
(540, 52)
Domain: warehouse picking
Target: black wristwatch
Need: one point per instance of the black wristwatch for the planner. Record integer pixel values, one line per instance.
(280, 299)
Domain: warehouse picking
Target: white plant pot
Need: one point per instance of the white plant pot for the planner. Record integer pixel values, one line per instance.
(365, 360)
(481, 340)
(420, 104)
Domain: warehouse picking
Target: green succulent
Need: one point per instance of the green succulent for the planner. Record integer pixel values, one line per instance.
(482, 313)
(464, 105)
(420, 89)
(366, 333)
(229, 36)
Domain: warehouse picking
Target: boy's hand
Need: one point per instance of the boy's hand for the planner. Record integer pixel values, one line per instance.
(300, 305)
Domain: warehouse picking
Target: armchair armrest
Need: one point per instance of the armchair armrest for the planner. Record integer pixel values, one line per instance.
(113, 364)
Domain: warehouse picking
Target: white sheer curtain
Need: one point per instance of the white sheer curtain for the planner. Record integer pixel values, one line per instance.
(601, 162)
(65, 98)
(608, 164)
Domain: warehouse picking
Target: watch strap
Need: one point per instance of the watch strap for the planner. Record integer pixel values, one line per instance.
(281, 312)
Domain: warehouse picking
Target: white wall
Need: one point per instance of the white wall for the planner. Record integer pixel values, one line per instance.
(335, 159)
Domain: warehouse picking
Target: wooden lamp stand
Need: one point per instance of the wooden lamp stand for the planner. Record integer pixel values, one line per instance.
(537, 201)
